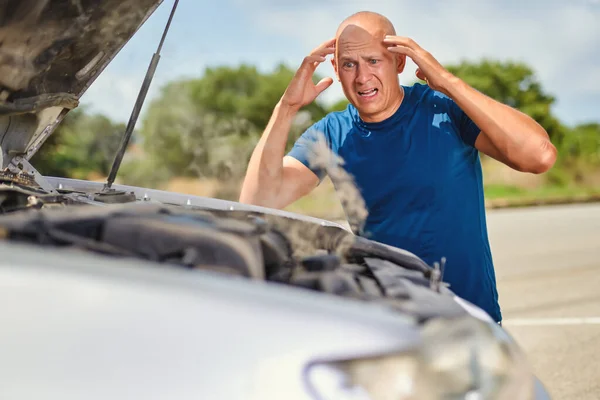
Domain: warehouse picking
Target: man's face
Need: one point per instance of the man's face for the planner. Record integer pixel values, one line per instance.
(368, 72)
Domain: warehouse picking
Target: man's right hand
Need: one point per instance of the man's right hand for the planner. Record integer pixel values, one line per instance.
(302, 91)
(273, 179)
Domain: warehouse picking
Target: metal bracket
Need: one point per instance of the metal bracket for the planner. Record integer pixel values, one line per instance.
(437, 275)
(19, 164)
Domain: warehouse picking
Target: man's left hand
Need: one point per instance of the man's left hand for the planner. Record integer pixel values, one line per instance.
(507, 134)
(429, 69)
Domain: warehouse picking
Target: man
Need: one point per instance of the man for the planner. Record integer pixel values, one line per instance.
(412, 151)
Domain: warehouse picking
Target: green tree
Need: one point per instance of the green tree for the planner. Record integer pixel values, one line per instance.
(185, 138)
(246, 93)
(210, 125)
(80, 145)
(339, 105)
(516, 85)
(583, 143)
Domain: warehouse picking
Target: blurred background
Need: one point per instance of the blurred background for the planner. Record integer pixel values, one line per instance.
(225, 65)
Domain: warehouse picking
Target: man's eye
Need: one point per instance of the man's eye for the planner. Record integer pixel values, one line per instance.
(373, 61)
(348, 64)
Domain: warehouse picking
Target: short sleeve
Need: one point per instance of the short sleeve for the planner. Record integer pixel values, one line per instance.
(467, 129)
(306, 151)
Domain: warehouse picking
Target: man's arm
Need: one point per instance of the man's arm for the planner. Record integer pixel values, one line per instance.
(507, 134)
(273, 180)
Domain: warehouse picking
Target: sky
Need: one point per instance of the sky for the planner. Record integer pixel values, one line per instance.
(560, 40)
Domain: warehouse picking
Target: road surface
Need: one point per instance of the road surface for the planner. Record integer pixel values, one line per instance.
(548, 270)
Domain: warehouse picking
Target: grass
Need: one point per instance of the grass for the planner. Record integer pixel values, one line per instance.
(503, 191)
(323, 201)
(547, 191)
(503, 188)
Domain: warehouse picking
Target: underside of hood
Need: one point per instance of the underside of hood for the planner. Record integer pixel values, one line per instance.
(50, 53)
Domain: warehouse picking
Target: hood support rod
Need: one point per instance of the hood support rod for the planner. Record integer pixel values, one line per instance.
(138, 106)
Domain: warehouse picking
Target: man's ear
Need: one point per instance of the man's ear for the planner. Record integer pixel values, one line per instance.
(401, 61)
(334, 64)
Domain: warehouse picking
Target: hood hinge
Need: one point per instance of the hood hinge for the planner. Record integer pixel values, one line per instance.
(19, 165)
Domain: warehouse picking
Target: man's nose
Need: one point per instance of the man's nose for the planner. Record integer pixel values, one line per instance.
(363, 75)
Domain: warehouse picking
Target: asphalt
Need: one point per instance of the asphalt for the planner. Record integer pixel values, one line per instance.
(548, 271)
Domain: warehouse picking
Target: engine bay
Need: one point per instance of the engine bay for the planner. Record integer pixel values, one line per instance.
(241, 244)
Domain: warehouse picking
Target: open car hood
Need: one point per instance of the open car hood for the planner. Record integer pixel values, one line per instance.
(50, 53)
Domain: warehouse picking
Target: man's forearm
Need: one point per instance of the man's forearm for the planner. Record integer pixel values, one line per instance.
(265, 170)
(519, 138)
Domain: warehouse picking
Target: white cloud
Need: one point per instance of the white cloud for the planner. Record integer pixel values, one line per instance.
(559, 40)
(113, 95)
(115, 91)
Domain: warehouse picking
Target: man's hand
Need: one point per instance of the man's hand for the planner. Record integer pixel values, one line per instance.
(302, 91)
(507, 134)
(429, 69)
(273, 179)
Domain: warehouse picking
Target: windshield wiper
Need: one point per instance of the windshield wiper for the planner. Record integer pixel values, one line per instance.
(107, 190)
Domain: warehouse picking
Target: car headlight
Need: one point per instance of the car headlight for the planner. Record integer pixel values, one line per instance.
(465, 359)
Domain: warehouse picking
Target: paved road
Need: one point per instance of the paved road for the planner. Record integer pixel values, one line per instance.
(548, 270)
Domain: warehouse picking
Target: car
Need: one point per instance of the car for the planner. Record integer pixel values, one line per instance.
(115, 291)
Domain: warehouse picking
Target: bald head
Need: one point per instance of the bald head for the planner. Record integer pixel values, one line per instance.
(372, 22)
(366, 68)
(363, 29)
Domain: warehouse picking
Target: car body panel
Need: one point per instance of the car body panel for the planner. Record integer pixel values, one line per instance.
(181, 199)
(51, 51)
(80, 325)
(87, 326)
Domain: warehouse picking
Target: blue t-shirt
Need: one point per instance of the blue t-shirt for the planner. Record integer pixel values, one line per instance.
(421, 179)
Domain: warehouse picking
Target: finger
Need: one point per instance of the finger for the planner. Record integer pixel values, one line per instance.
(400, 40)
(309, 65)
(328, 43)
(323, 51)
(407, 51)
(323, 84)
(327, 47)
(312, 62)
(314, 59)
(420, 75)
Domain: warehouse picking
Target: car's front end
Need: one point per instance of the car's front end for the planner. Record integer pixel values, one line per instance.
(112, 291)
(176, 298)
(87, 326)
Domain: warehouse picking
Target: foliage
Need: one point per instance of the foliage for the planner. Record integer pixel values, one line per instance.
(583, 142)
(578, 158)
(245, 93)
(185, 138)
(142, 171)
(82, 144)
(339, 105)
(208, 126)
(516, 85)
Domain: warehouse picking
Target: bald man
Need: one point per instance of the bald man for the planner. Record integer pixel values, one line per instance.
(413, 151)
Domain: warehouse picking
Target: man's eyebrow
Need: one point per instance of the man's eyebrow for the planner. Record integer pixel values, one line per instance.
(364, 57)
(372, 55)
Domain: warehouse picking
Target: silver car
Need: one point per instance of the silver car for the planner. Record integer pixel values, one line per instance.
(112, 291)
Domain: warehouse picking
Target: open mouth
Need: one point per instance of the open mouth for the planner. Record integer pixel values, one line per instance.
(368, 93)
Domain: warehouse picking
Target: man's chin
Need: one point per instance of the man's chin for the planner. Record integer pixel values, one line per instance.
(367, 108)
